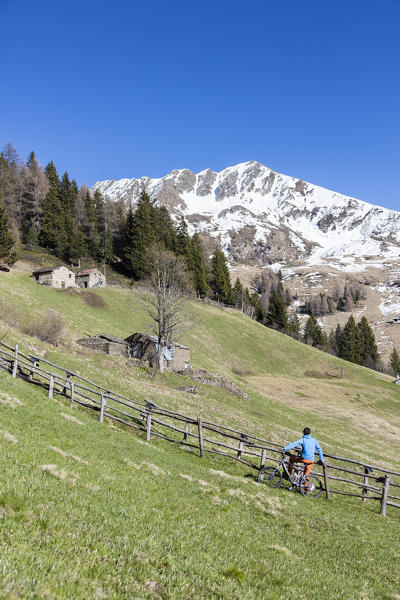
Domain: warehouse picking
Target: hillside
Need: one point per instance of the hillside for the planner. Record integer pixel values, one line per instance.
(148, 520)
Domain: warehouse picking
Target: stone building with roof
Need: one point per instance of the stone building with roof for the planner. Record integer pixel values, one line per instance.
(58, 276)
(90, 278)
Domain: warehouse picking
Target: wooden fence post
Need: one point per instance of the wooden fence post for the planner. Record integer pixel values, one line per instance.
(33, 370)
(67, 378)
(201, 441)
(385, 491)
(367, 470)
(263, 456)
(15, 365)
(72, 394)
(148, 425)
(102, 406)
(326, 480)
(244, 437)
(51, 386)
(185, 435)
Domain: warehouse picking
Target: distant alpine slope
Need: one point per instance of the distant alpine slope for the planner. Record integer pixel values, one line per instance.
(261, 216)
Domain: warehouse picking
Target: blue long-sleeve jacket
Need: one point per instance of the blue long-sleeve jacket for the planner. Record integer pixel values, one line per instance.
(308, 447)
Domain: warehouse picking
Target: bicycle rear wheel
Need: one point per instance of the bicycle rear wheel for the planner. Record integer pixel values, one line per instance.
(270, 476)
(311, 487)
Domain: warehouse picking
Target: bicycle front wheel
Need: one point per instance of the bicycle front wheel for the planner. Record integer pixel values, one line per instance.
(311, 487)
(270, 476)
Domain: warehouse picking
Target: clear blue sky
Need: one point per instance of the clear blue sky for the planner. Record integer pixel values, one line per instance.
(124, 88)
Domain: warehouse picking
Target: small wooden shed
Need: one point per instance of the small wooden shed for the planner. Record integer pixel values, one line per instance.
(90, 278)
(145, 347)
(108, 344)
(59, 276)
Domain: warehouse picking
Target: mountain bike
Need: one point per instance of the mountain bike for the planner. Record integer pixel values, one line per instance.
(272, 476)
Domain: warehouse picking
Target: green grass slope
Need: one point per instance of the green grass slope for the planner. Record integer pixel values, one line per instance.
(90, 511)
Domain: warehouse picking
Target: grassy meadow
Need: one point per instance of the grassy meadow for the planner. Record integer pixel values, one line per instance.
(89, 510)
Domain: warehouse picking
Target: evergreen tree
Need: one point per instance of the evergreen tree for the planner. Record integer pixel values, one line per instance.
(52, 234)
(7, 245)
(259, 312)
(350, 347)
(338, 339)
(238, 293)
(182, 237)
(277, 316)
(164, 228)
(65, 195)
(108, 247)
(197, 266)
(333, 349)
(221, 281)
(75, 246)
(294, 327)
(100, 224)
(394, 362)
(89, 225)
(139, 238)
(369, 349)
(11, 185)
(313, 332)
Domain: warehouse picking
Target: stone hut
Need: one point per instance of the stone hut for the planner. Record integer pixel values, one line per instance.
(58, 277)
(90, 278)
(145, 347)
(109, 344)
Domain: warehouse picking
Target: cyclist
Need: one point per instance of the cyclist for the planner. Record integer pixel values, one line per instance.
(308, 447)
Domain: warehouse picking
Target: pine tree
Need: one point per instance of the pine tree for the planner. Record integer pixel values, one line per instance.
(313, 332)
(7, 244)
(350, 347)
(369, 349)
(100, 224)
(333, 349)
(52, 234)
(65, 194)
(109, 247)
(182, 237)
(294, 326)
(197, 266)
(277, 316)
(164, 228)
(338, 339)
(238, 293)
(221, 281)
(89, 225)
(394, 362)
(259, 312)
(139, 238)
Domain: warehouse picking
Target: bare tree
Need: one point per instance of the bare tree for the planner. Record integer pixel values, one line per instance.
(166, 302)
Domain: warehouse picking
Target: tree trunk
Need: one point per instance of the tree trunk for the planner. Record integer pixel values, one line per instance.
(161, 358)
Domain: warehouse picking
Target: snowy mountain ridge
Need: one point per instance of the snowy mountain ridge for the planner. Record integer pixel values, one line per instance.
(261, 216)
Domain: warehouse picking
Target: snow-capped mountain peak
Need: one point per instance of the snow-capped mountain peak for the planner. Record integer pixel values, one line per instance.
(260, 215)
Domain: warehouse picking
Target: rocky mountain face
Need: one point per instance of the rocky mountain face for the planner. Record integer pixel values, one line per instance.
(263, 217)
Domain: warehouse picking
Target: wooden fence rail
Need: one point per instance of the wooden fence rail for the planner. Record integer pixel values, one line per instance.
(194, 433)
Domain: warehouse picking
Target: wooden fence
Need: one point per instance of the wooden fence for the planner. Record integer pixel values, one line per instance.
(355, 478)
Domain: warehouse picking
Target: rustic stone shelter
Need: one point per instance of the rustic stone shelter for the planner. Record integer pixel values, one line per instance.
(90, 278)
(109, 344)
(144, 347)
(59, 277)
